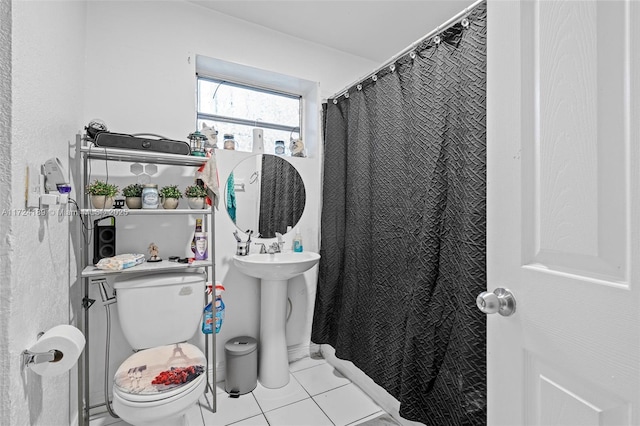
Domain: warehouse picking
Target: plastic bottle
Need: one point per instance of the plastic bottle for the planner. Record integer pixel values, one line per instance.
(207, 321)
(297, 242)
(198, 229)
(219, 307)
(201, 246)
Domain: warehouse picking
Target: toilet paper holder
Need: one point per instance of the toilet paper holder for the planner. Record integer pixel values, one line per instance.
(29, 358)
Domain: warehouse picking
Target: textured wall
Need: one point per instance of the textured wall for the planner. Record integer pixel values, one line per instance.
(5, 200)
(47, 42)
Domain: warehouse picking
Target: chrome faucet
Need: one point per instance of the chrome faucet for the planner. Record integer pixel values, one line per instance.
(280, 242)
(274, 248)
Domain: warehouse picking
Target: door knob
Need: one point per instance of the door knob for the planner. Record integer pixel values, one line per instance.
(500, 301)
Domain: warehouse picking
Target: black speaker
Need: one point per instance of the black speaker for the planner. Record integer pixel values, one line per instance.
(104, 239)
(119, 140)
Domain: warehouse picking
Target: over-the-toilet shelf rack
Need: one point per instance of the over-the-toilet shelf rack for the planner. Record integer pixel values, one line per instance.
(86, 152)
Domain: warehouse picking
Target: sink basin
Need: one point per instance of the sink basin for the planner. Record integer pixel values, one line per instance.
(274, 271)
(278, 266)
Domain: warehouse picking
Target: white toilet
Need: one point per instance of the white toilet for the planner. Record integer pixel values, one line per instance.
(158, 313)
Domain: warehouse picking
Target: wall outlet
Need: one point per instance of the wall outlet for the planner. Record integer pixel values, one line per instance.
(34, 186)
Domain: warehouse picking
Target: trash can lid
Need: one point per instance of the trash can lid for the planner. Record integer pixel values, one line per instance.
(241, 345)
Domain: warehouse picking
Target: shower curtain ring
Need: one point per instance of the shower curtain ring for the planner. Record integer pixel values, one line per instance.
(359, 87)
(464, 23)
(374, 77)
(412, 55)
(392, 67)
(436, 39)
(335, 102)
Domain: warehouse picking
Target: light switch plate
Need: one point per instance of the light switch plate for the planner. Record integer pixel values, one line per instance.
(35, 186)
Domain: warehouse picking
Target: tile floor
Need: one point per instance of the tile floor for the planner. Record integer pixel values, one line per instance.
(317, 394)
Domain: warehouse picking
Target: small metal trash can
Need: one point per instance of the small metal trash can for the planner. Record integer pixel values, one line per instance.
(241, 358)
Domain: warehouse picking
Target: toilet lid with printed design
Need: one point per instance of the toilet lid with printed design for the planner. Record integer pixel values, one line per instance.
(159, 370)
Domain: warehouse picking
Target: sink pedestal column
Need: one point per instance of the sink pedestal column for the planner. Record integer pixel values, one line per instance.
(273, 371)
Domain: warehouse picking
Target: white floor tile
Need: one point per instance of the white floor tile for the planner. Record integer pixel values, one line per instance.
(270, 399)
(335, 402)
(231, 410)
(103, 419)
(220, 388)
(253, 421)
(379, 419)
(305, 413)
(320, 378)
(306, 362)
(194, 418)
(346, 404)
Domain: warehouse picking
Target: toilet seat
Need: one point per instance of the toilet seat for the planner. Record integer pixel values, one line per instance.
(176, 369)
(161, 412)
(160, 398)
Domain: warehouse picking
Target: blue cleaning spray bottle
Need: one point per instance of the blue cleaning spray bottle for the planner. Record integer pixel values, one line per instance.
(207, 318)
(219, 307)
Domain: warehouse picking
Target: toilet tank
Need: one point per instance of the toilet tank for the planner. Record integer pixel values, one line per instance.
(159, 309)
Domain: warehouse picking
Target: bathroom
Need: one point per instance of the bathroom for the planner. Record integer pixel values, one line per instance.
(49, 95)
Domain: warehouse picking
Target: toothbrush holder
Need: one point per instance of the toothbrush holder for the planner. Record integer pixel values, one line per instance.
(242, 248)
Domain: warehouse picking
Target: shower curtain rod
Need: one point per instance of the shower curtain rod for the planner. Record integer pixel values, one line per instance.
(412, 46)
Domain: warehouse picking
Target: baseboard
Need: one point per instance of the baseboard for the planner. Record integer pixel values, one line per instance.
(380, 396)
(220, 372)
(297, 352)
(315, 349)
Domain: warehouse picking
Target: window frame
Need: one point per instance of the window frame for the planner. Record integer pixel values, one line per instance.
(248, 122)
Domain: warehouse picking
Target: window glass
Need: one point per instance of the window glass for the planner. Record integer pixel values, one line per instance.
(236, 109)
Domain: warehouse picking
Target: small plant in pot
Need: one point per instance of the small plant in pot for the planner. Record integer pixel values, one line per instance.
(170, 195)
(195, 195)
(102, 194)
(133, 194)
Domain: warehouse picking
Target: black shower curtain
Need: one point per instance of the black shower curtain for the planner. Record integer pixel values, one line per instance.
(403, 228)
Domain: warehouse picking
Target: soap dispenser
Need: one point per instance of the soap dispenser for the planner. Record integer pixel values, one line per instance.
(297, 242)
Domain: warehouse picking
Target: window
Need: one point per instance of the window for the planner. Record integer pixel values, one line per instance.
(237, 109)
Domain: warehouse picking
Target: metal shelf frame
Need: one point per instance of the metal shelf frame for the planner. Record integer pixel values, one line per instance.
(84, 152)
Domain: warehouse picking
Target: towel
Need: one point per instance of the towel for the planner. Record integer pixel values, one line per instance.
(231, 197)
(208, 174)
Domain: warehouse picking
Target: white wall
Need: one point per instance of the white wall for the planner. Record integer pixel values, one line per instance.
(5, 203)
(140, 77)
(47, 67)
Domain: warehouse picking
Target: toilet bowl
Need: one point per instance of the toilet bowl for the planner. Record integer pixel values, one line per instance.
(160, 383)
(142, 397)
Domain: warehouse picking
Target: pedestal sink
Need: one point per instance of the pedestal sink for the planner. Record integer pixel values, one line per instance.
(274, 271)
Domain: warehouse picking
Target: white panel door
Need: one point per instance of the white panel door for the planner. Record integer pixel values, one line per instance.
(563, 208)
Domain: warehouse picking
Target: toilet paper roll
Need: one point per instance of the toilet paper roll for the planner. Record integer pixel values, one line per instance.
(64, 338)
(258, 143)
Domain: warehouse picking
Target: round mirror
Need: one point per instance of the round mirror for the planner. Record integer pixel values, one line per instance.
(265, 194)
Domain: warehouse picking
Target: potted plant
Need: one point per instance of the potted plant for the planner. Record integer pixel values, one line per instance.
(195, 196)
(170, 195)
(133, 195)
(102, 194)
